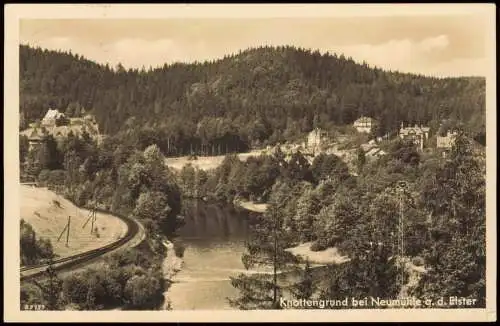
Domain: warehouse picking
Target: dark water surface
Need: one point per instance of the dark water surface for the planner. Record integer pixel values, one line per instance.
(214, 236)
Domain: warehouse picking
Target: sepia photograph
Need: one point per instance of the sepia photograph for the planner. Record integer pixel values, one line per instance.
(233, 162)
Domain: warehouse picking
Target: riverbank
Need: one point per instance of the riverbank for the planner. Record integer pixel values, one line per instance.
(327, 256)
(171, 266)
(251, 206)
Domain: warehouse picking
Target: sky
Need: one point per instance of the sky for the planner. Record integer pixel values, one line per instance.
(442, 46)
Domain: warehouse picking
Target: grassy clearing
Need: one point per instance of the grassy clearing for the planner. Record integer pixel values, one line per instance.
(48, 214)
(251, 206)
(204, 162)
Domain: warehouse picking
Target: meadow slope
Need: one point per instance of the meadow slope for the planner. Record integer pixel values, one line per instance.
(40, 209)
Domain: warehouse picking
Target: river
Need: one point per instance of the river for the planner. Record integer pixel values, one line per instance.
(214, 237)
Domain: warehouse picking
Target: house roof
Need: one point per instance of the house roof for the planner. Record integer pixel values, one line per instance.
(364, 119)
(35, 135)
(367, 147)
(372, 151)
(375, 152)
(414, 129)
(52, 114)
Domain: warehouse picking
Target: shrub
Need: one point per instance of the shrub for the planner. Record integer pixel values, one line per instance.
(143, 291)
(57, 177)
(418, 261)
(45, 249)
(129, 257)
(32, 250)
(75, 289)
(319, 245)
(30, 294)
(179, 249)
(44, 176)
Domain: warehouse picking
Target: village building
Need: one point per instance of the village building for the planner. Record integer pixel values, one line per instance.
(444, 143)
(51, 116)
(372, 150)
(314, 141)
(35, 138)
(417, 134)
(375, 152)
(364, 124)
(90, 118)
(447, 141)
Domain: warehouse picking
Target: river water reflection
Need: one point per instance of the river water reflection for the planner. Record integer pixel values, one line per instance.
(214, 236)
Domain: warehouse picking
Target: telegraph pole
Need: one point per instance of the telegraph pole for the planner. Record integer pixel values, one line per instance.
(401, 233)
(275, 258)
(66, 229)
(92, 218)
(67, 235)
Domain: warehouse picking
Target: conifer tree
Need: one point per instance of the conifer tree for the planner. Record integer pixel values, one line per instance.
(305, 287)
(266, 248)
(455, 199)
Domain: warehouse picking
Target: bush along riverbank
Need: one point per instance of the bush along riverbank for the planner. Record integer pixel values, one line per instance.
(172, 264)
(128, 280)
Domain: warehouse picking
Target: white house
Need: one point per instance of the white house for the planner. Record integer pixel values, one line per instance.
(364, 124)
(417, 134)
(314, 140)
(35, 138)
(51, 116)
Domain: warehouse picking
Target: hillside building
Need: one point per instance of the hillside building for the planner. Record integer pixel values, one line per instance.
(51, 116)
(364, 124)
(372, 150)
(417, 134)
(375, 152)
(35, 139)
(314, 141)
(447, 141)
(444, 143)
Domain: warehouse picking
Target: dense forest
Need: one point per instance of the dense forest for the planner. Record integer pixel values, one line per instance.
(258, 96)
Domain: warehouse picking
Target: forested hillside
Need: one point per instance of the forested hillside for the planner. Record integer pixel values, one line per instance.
(261, 95)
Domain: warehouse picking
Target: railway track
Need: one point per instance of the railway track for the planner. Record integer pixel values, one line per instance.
(133, 228)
